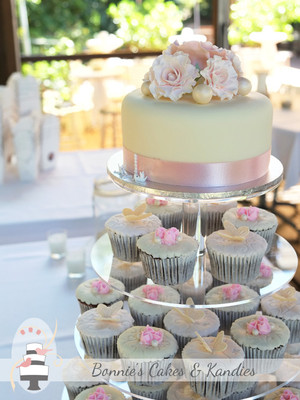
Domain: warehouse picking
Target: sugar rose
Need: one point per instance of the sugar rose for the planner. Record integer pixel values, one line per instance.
(221, 77)
(172, 75)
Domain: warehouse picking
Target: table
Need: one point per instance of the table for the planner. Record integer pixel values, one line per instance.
(286, 144)
(33, 285)
(60, 198)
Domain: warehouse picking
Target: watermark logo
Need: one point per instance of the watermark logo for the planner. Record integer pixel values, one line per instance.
(33, 353)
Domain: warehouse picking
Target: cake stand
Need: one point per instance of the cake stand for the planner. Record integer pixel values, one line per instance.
(281, 256)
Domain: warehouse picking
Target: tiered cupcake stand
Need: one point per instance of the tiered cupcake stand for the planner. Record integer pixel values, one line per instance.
(282, 256)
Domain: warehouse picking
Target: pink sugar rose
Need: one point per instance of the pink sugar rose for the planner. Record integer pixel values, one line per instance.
(288, 395)
(232, 292)
(172, 76)
(265, 270)
(195, 50)
(167, 237)
(101, 286)
(259, 326)
(151, 337)
(152, 292)
(99, 394)
(221, 77)
(248, 213)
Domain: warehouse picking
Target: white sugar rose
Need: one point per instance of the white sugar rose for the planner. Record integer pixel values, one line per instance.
(172, 75)
(221, 76)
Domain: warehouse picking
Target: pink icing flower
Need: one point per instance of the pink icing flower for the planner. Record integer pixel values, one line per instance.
(155, 202)
(99, 394)
(288, 395)
(152, 292)
(232, 292)
(221, 77)
(248, 213)
(167, 237)
(259, 326)
(172, 76)
(265, 270)
(151, 337)
(195, 50)
(101, 286)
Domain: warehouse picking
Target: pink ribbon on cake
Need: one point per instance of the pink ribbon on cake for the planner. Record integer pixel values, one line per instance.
(199, 174)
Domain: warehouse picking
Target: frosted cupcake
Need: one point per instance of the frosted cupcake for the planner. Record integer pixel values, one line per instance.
(95, 291)
(285, 304)
(131, 274)
(101, 392)
(77, 376)
(170, 214)
(155, 348)
(155, 392)
(228, 355)
(100, 327)
(168, 256)
(285, 393)
(151, 314)
(264, 340)
(193, 290)
(185, 323)
(182, 391)
(258, 220)
(229, 294)
(211, 216)
(235, 254)
(125, 229)
(264, 278)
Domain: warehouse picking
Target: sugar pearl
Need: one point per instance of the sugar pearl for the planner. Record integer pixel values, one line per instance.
(255, 332)
(244, 86)
(202, 94)
(145, 89)
(154, 343)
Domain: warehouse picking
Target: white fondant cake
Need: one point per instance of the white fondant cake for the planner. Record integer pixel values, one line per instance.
(175, 140)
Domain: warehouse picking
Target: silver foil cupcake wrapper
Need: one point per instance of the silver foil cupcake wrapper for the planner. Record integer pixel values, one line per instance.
(156, 393)
(171, 220)
(131, 283)
(230, 269)
(214, 389)
(169, 271)
(152, 320)
(264, 361)
(228, 317)
(268, 235)
(124, 247)
(100, 347)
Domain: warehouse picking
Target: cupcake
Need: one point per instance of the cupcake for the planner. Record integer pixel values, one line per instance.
(185, 323)
(258, 220)
(155, 392)
(170, 214)
(77, 376)
(168, 256)
(235, 254)
(182, 391)
(101, 392)
(284, 393)
(211, 216)
(242, 390)
(100, 327)
(125, 229)
(95, 291)
(200, 353)
(155, 347)
(232, 293)
(264, 340)
(195, 288)
(132, 275)
(264, 278)
(285, 304)
(190, 218)
(151, 314)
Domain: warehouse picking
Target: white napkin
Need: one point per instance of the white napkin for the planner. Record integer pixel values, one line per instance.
(49, 140)
(25, 134)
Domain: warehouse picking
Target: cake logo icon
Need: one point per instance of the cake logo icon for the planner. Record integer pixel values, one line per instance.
(33, 351)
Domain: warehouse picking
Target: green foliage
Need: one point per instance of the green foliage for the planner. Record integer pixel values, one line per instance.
(51, 75)
(252, 15)
(146, 25)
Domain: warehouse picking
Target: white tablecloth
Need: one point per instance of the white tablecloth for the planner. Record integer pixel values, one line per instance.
(34, 286)
(286, 144)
